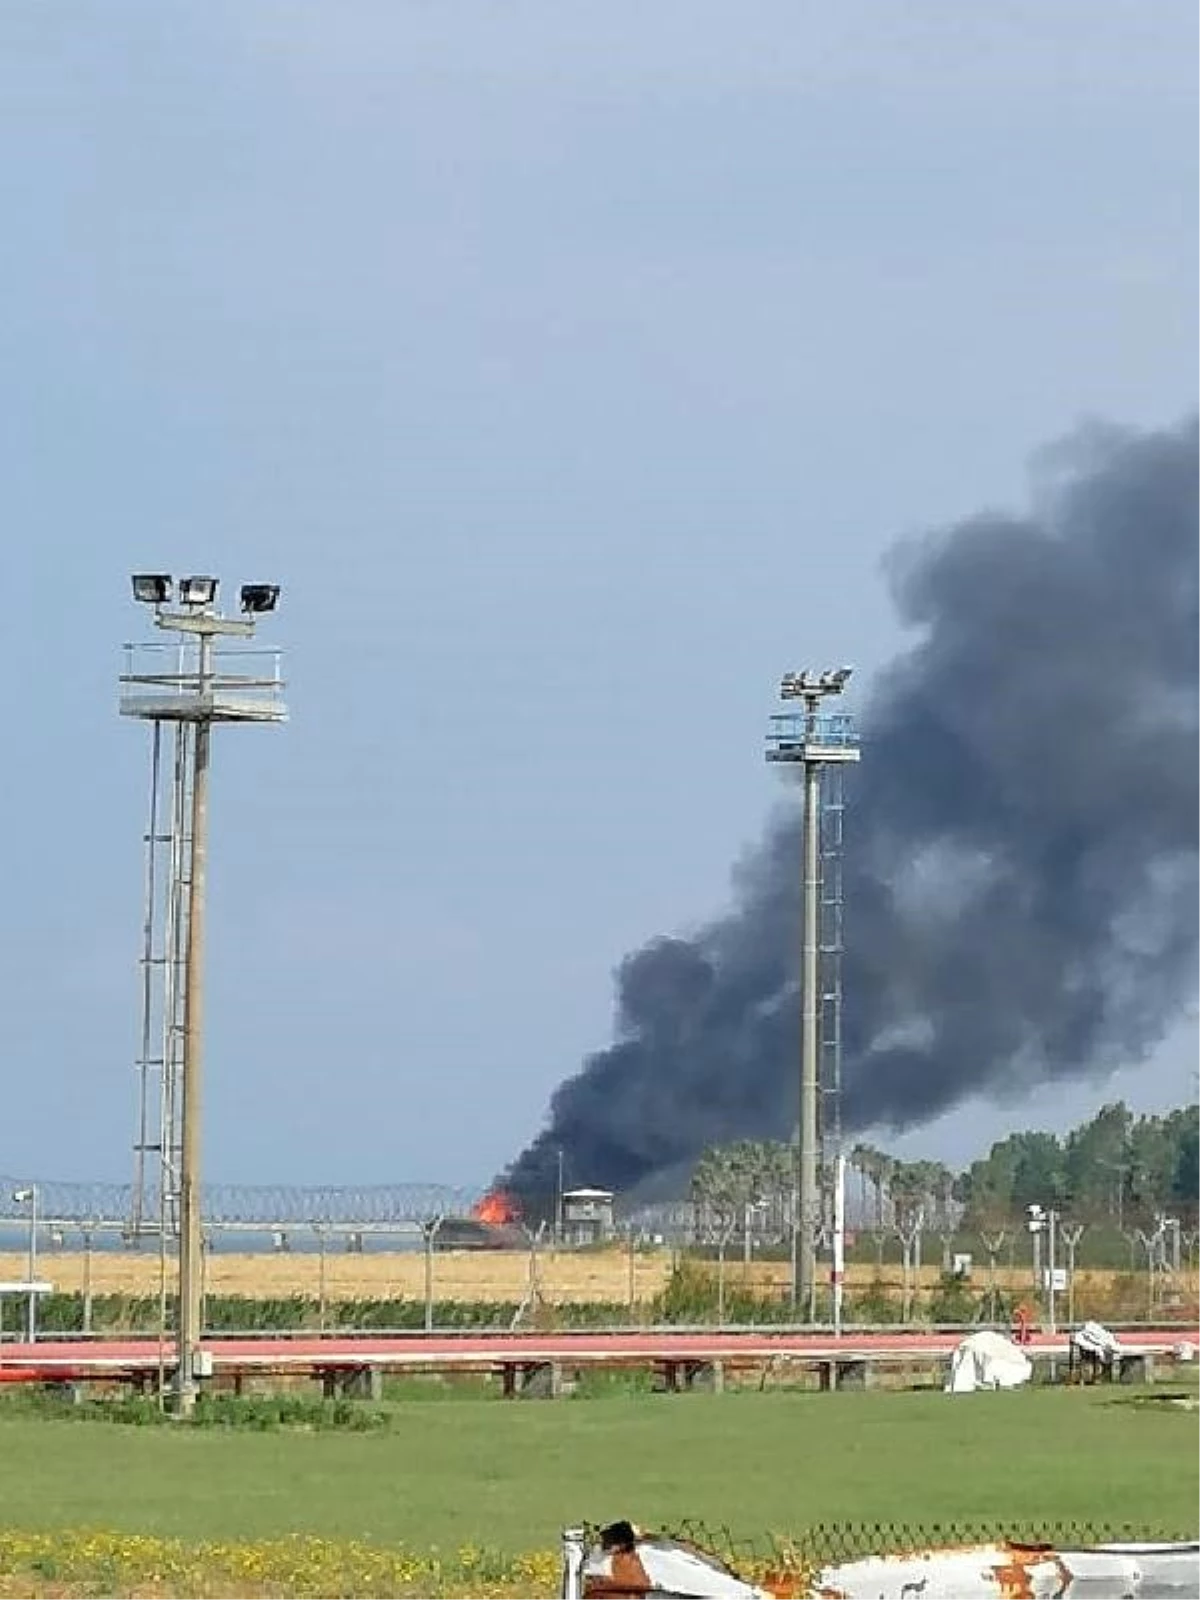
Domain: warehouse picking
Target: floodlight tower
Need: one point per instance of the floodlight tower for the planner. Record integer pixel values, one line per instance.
(814, 740)
(186, 686)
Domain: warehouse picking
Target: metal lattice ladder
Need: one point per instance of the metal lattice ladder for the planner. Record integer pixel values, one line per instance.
(154, 1207)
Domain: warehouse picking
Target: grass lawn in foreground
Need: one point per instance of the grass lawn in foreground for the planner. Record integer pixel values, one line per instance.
(512, 1475)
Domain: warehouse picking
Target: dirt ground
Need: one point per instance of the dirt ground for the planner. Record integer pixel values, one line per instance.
(464, 1275)
(469, 1275)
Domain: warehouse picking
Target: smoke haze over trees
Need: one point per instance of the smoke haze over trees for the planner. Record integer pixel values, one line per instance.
(1021, 845)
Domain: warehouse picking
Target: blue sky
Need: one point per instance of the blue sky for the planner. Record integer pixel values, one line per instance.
(571, 367)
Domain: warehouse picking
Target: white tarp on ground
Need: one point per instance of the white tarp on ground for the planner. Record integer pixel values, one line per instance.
(987, 1361)
(1104, 1572)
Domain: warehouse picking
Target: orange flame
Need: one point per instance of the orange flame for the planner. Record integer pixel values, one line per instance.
(496, 1208)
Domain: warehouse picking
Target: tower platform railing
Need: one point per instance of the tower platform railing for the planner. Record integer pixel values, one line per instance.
(830, 736)
(162, 682)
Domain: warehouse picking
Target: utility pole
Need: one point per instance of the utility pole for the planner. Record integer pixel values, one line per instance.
(810, 1197)
(1045, 1220)
(186, 686)
(811, 740)
(1052, 1286)
(191, 1238)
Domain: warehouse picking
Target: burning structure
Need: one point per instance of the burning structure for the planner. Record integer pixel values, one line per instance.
(497, 1209)
(494, 1224)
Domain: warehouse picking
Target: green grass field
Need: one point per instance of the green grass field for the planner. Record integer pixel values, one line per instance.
(512, 1475)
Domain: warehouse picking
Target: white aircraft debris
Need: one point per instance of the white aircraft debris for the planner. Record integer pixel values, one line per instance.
(621, 1562)
(1016, 1572)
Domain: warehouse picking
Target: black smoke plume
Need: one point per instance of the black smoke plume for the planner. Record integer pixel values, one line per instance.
(1021, 862)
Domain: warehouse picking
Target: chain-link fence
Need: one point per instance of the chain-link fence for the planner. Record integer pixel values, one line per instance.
(824, 1544)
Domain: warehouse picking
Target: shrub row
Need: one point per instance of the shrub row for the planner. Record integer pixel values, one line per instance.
(691, 1295)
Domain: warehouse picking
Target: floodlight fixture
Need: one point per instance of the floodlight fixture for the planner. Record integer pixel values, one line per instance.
(797, 685)
(152, 588)
(198, 591)
(258, 598)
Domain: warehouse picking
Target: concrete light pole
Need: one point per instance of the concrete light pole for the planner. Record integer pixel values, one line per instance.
(837, 1275)
(1045, 1220)
(194, 686)
(29, 1196)
(812, 740)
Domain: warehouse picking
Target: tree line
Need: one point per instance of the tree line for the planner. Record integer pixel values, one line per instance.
(1117, 1168)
